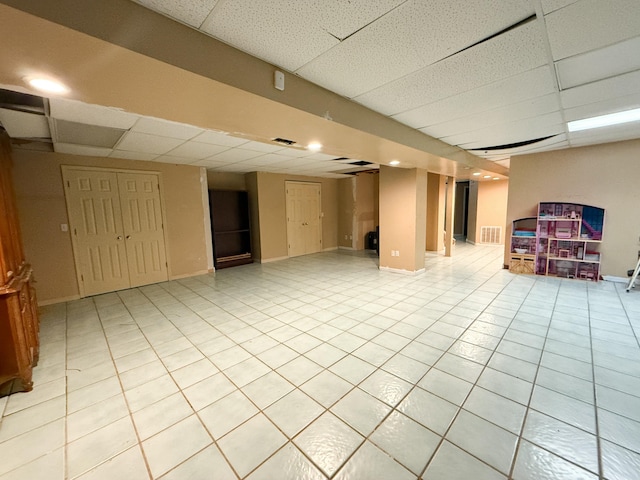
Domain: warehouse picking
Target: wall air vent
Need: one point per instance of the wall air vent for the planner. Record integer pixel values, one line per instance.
(491, 235)
(283, 141)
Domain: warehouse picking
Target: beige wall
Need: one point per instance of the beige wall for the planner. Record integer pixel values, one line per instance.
(403, 203)
(251, 180)
(436, 190)
(603, 176)
(357, 209)
(366, 207)
(272, 218)
(491, 210)
(346, 211)
(226, 181)
(42, 208)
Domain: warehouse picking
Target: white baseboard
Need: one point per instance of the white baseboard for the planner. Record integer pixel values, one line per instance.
(53, 301)
(611, 278)
(345, 248)
(274, 259)
(402, 271)
(331, 249)
(187, 275)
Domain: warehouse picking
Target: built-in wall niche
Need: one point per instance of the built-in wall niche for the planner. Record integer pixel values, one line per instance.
(230, 225)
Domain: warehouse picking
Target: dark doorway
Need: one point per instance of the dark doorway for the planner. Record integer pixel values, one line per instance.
(461, 210)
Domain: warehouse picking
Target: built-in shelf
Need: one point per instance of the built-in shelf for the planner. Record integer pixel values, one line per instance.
(230, 225)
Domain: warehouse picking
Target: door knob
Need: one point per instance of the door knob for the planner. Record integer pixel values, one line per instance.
(119, 237)
(128, 237)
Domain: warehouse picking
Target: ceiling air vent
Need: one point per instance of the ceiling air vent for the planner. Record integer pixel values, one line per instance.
(283, 141)
(360, 163)
(340, 158)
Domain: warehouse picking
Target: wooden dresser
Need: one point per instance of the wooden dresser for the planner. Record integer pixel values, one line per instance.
(19, 346)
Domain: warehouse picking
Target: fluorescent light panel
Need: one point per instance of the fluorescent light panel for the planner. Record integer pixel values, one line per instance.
(605, 120)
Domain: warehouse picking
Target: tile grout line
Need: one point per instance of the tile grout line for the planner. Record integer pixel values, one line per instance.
(460, 407)
(124, 397)
(260, 410)
(595, 393)
(533, 388)
(65, 459)
(309, 284)
(195, 412)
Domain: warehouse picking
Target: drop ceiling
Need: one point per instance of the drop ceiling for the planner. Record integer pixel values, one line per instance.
(489, 77)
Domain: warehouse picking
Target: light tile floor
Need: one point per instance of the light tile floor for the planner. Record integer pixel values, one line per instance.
(325, 367)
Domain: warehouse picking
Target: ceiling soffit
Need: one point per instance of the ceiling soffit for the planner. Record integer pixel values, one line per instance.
(374, 136)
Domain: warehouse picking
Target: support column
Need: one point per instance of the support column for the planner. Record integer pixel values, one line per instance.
(403, 214)
(448, 216)
(436, 191)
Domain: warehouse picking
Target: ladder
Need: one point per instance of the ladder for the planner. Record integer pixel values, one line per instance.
(636, 272)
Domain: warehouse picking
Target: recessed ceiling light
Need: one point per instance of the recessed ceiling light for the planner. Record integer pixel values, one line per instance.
(496, 178)
(605, 120)
(314, 146)
(47, 85)
(475, 174)
(393, 163)
(487, 176)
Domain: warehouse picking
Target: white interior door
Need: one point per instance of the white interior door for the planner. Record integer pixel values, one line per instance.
(117, 229)
(304, 226)
(96, 227)
(142, 222)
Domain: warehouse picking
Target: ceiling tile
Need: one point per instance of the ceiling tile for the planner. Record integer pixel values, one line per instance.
(191, 12)
(622, 85)
(514, 52)
(235, 155)
(511, 113)
(262, 147)
(24, 125)
(341, 18)
(208, 162)
(297, 152)
(81, 150)
(132, 155)
(617, 59)
(282, 31)
(530, 84)
(219, 138)
(196, 150)
(275, 157)
(549, 6)
(604, 107)
(512, 132)
(74, 111)
(320, 156)
(165, 128)
(145, 143)
(595, 136)
(174, 159)
(591, 24)
(412, 36)
(234, 167)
